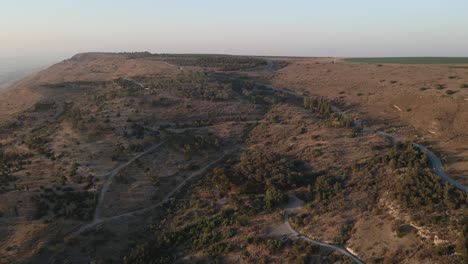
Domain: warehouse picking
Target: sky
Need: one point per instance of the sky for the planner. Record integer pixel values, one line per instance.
(341, 28)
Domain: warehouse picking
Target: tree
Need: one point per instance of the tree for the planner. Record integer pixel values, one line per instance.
(274, 197)
(219, 179)
(357, 130)
(314, 104)
(154, 176)
(306, 102)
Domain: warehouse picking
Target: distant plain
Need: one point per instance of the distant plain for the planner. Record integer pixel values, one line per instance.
(413, 60)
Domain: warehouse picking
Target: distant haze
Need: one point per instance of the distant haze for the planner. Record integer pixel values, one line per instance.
(15, 68)
(297, 28)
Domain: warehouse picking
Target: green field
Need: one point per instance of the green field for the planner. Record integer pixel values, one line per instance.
(413, 60)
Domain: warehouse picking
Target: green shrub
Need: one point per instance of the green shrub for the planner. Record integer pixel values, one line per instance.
(274, 245)
(274, 197)
(449, 92)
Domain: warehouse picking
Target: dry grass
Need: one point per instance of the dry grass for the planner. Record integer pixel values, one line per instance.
(372, 91)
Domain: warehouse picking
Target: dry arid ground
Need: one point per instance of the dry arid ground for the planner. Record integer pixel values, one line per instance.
(149, 158)
(409, 100)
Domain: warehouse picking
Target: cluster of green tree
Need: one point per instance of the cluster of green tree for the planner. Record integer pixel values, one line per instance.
(188, 142)
(117, 92)
(137, 54)
(44, 105)
(135, 144)
(326, 187)
(130, 88)
(255, 93)
(404, 154)
(220, 62)
(64, 202)
(324, 108)
(205, 233)
(75, 116)
(194, 85)
(260, 94)
(417, 186)
(135, 130)
(321, 193)
(398, 228)
(83, 120)
(302, 251)
(259, 173)
(442, 253)
(11, 162)
(78, 178)
(163, 102)
(198, 85)
(73, 85)
(299, 251)
(274, 245)
(318, 105)
(39, 143)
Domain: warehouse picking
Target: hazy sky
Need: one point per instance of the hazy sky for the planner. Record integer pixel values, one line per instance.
(301, 28)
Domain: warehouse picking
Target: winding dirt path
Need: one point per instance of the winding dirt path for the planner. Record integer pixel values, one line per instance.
(436, 164)
(100, 220)
(294, 204)
(113, 173)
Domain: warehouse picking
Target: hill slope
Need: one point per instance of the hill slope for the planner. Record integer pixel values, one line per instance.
(157, 158)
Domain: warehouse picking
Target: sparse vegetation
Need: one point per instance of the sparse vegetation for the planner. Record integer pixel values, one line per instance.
(64, 202)
(180, 202)
(418, 187)
(324, 108)
(11, 163)
(193, 85)
(188, 143)
(222, 62)
(203, 233)
(450, 92)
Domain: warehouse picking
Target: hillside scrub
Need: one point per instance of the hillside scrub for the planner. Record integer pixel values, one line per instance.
(324, 109)
(221, 62)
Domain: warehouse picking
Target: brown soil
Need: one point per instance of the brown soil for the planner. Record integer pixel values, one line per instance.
(406, 99)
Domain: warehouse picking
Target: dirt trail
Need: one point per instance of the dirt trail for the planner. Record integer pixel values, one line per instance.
(60, 109)
(436, 163)
(98, 221)
(97, 212)
(113, 173)
(296, 203)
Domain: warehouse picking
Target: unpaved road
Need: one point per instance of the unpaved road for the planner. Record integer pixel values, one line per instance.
(296, 203)
(110, 178)
(98, 221)
(97, 212)
(436, 163)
